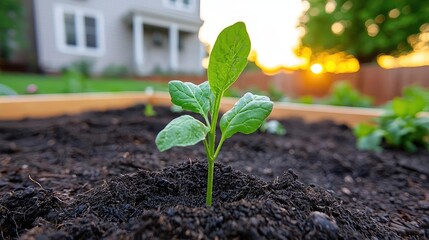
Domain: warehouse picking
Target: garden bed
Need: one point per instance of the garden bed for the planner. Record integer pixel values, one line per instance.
(47, 105)
(99, 175)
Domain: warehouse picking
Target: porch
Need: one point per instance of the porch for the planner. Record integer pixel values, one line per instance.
(165, 44)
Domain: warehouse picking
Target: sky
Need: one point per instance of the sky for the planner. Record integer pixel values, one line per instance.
(271, 25)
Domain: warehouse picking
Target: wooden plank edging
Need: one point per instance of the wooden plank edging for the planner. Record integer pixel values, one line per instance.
(40, 106)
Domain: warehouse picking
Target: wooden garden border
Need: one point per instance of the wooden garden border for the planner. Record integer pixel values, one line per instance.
(41, 106)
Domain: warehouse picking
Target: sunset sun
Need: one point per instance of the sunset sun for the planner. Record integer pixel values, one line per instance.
(271, 25)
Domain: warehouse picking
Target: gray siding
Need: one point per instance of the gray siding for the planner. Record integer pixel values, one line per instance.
(118, 35)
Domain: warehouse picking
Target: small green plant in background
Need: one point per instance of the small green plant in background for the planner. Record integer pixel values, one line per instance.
(275, 94)
(149, 111)
(273, 127)
(307, 99)
(115, 71)
(76, 76)
(418, 92)
(399, 127)
(343, 94)
(227, 60)
(83, 66)
(75, 81)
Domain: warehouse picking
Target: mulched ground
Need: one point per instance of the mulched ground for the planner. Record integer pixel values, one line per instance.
(99, 175)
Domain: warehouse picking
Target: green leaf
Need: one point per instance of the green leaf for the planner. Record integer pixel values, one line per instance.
(273, 127)
(182, 131)
(190, 96)
(371, 141)
(246, 116)
(205, 87)
(422, 122)
(408, 107)
(362, 130)
(228, 57)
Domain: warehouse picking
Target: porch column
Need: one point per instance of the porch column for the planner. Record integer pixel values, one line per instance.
(173, 36)
(199, 66)
(138, 44)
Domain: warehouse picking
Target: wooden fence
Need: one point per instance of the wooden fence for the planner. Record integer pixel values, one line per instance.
(381, 84)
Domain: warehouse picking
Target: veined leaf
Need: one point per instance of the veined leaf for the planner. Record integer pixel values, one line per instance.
(371, 141)
(363, 129)
(190, 96)
(205, 87)
(228, 57)
(182, 131)
(408, 107)
(246, 116)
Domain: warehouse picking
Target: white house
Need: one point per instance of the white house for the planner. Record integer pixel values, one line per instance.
(146, 36)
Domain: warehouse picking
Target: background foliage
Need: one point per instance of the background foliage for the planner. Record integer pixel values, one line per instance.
(364, 29)
(10, 26)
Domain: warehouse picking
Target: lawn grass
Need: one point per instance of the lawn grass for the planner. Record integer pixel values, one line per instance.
(58, 84)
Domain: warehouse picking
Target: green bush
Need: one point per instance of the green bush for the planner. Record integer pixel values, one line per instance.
(76, 81)
(419, 92)
(399, 127)
(115, 71)
(307, 99)
(83, 66)
(275, 94)
(343, 94)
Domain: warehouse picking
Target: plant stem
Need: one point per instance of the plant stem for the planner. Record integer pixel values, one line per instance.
(209, 145)
(219, 146)
(212, 133)
(210, 183)
(206, 146)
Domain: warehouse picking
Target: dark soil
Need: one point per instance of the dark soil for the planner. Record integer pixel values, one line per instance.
(99, 175)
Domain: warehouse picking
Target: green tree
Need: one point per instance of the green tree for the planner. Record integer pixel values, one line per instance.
(10, 24)
(363, 29)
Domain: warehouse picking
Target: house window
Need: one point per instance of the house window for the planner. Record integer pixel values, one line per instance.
(184, 5)
(79, 31)
(70, 29)
(90, 32)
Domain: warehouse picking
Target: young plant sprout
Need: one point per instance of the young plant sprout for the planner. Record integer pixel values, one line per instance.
(149, 111)
(227, 60)
(273, 127)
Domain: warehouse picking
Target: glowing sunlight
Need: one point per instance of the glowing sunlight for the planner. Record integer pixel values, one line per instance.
(271, 25)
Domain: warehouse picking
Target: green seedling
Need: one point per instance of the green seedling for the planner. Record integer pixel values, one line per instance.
(344, 94)
(227, 60)
(418, 92)
(273, 127)
(76, 81)
(398, 127)
(149, 111)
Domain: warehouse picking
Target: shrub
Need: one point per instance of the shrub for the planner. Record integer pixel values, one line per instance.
(83, 66)
(75, 81)
(399, 127)
(343, 94)
(418, 92)
(115, 71)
